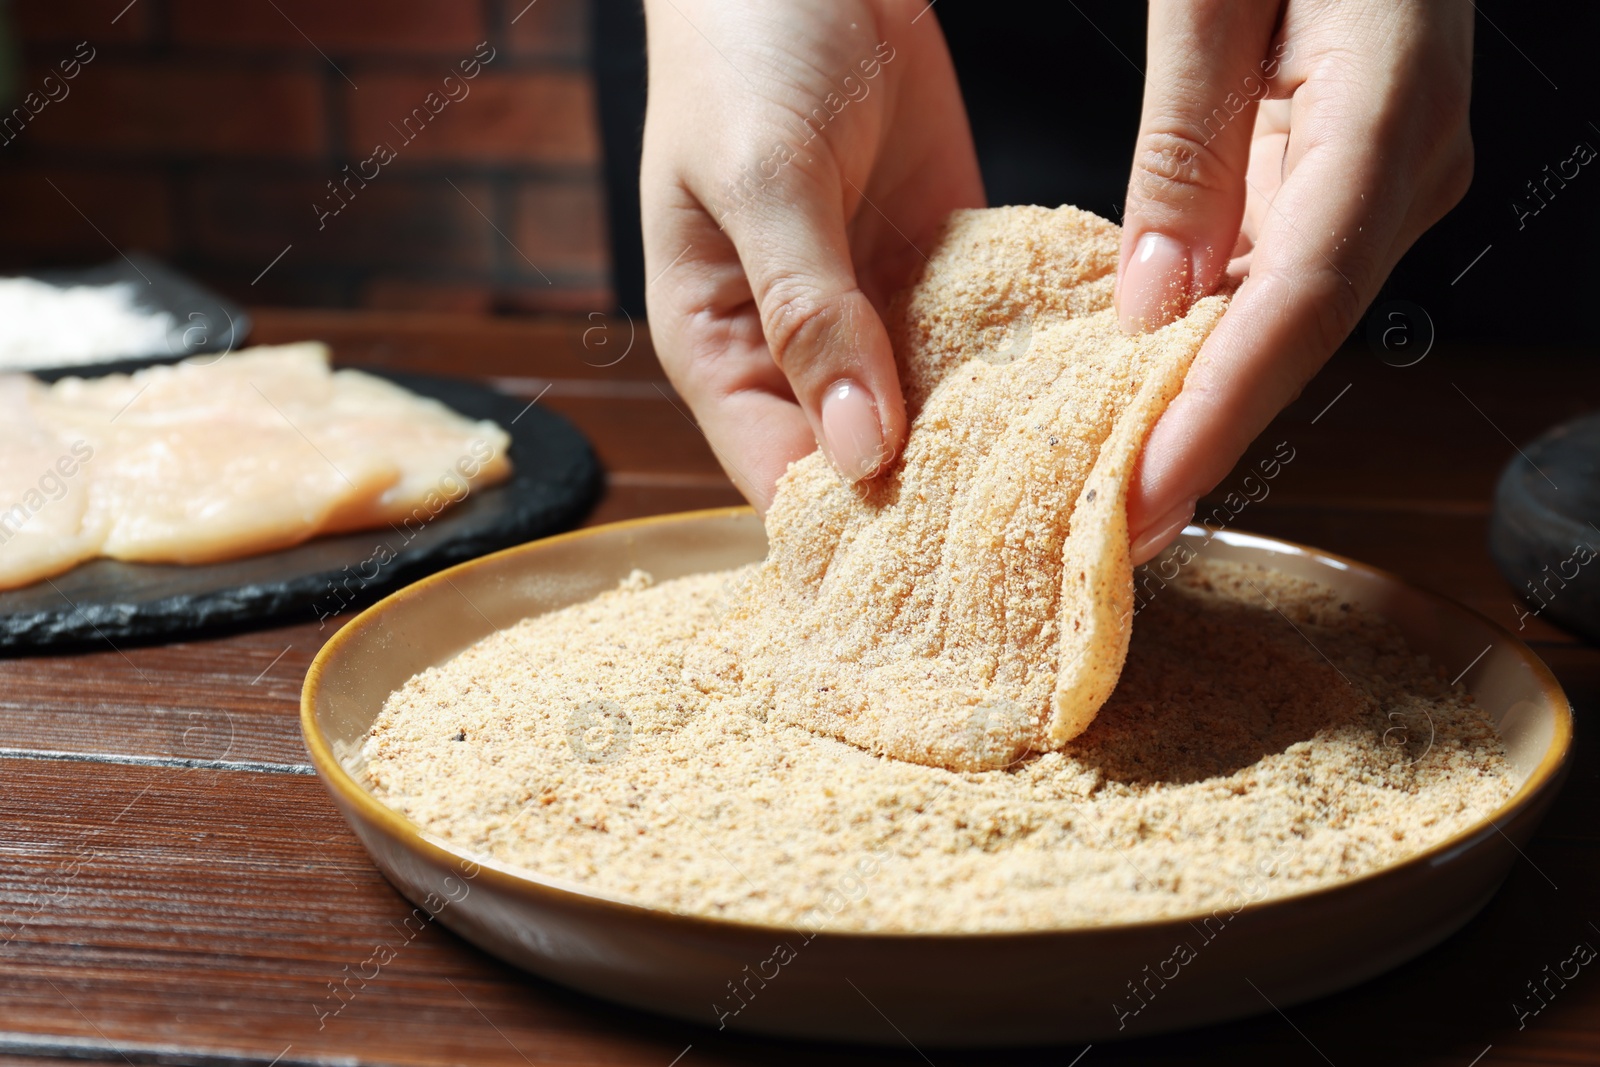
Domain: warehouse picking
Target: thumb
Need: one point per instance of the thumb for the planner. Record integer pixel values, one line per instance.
(823, 332)
(1208, 67)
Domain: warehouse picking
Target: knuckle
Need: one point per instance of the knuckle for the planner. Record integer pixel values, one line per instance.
(1170, 164)
(696, 346)
(690, 342)
(794, 313)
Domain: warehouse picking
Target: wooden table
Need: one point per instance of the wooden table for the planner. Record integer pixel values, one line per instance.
(177, 888)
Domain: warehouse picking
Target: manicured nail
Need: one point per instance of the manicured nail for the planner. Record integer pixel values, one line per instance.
(851, 431)
(1155, 284)
(1162, 531)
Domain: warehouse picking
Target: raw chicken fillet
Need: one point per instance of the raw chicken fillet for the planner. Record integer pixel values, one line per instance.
(200, 462)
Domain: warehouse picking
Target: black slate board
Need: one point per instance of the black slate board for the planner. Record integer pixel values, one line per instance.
(1545, 531)
(555, 481)
(205, 322)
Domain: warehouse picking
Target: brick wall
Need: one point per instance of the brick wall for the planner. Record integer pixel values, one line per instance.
(208, 132)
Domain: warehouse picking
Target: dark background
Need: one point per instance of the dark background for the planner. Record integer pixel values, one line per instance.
(204, 132)
(1053, 96)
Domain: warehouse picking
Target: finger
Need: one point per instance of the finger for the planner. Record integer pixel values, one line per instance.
(1209, 65)
(706, 332)
(822, 331)
(1339, 223)
(705, 318)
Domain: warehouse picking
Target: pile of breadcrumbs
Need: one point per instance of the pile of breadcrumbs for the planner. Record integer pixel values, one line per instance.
(1237, 757)
(930, 708)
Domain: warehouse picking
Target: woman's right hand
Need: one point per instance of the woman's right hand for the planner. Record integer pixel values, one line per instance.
(798, 159)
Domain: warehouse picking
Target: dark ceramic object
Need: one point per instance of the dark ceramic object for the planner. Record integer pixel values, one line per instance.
(1545, 532)
(556, 480)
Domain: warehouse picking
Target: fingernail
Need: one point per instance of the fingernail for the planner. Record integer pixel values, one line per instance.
(1160, 532)
(1155, 284)
(851, 431)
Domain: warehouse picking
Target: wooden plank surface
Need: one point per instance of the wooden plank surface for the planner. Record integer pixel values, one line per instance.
(175, 888)
(156, 909)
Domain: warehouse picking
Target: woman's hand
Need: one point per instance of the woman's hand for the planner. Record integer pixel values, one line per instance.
(1302, 148)
(795, 156)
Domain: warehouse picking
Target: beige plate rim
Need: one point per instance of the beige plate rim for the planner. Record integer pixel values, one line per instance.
(523, 879)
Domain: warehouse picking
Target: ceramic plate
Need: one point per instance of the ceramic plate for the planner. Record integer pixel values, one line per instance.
(555, 478)
(958, 989)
